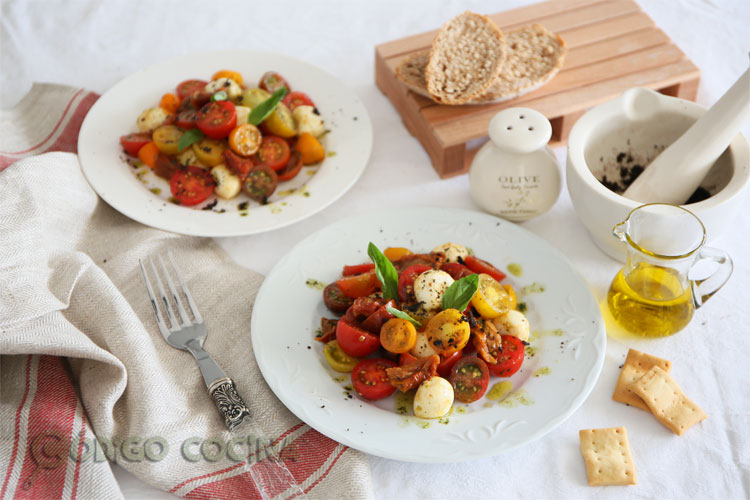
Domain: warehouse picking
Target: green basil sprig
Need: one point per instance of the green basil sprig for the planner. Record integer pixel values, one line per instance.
(219, 96)
(189, 137)
(262, 110)
(402, 315)
(459, 294)
(384, 270)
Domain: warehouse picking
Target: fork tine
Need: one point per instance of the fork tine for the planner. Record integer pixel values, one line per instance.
(159, 318)
(163, 293)
(175, 295)
(185, 290)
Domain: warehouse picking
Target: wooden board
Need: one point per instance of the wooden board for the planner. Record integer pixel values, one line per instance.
(612, 46)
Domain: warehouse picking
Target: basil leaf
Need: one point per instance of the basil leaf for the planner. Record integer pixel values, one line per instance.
(262, 110)
(402, 315)
(385, 272)
(189, 137)
(219, 96)
(459, 294)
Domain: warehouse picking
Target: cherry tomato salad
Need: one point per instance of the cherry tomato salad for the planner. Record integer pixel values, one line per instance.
(222, 137)
(439, 322)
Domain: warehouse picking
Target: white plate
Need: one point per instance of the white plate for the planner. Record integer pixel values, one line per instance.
(114, 115)
(287, 313)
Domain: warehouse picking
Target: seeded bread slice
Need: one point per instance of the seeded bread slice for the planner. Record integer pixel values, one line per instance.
(466, 56)
(534, 57)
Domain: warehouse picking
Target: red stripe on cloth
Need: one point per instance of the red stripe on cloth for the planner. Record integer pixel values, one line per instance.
(17, 428)
(323, 476)
(68, 139)
(59, 122)
(231, 488)
(50, 432)
(306, 454)
(80, 453)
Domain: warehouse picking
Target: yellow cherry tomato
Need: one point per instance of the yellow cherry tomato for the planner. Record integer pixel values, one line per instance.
(245, 139)
(491, 299)
(395, 253)
(398, 335)
(513, 300)
(448, 331)
(167, 138)
(253, 97)
(338, 359)
(209, 151)
(281, 122)
(227, 73)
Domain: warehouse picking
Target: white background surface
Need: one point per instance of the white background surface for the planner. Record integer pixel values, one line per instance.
(94, 44)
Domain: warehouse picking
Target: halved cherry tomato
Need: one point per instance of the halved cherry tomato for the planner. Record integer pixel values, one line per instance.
(260, 183)
(480, 266)
(335, 300)
(338, 359)
(191, 185)
(132, 143)
(281, 122)
(357, 269)
(147, 154)
(216, 119)
(209, 151)
(512, 298)
(227, 73)
(294, 99)
(491, 299)
(406, 281)
(271, 81)
(354, 340)
(237, 164)
(447, 362)
(169, 102)
(292, 168)
(360, 285)
(186, 119)
(398, 335)
(375, 321)
(245, 139)
(456, 270)
(448, 331)
(274, 152)
(165, 166)
(310, 149)
(167, 139)
(510, 360)
(370, 380)
(469, 378)
(395, 253)
(188, 87)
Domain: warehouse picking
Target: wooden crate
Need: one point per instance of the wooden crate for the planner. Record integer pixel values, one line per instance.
(612, 46)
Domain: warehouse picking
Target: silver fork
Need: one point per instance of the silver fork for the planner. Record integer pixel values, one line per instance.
(189, 335)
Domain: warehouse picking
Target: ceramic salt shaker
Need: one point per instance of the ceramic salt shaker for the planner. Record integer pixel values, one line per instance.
(515, 176)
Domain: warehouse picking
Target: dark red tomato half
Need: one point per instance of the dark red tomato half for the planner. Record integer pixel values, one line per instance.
(456, 270)
(375, 321)
(191, 185)
(469, 378)
(132, 143)
(292, 168)
(406, 281)
(216, 119)
(165, 166)
(335, 300)
(274, 152)
(271, 81)
(186, 119)
(188, 87)
(237, 164)
(355, 341)
(260, 183)
(294, 99)
(357, 269)
(370, 380)
(447, 362)
(482, 266)
(510, 360)
(360, 285)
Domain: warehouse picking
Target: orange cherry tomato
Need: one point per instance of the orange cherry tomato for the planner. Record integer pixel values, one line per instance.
(227, 73)
(170, 103)
(310, 148)
(148, 153)
(245, 140)
(398, 335)
(396, 253)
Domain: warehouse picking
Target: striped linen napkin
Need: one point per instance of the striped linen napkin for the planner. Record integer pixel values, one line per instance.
(85, 377)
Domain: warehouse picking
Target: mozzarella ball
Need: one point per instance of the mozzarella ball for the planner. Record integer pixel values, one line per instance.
(434, 398)
(429, 288)
(228, 85)
(243, 113)
(151, 119)
(228, 185)
(308, 120)
(512, 323)
(422, 348)
(452, 251)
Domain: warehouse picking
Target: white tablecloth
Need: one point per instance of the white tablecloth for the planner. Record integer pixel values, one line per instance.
(94, 44)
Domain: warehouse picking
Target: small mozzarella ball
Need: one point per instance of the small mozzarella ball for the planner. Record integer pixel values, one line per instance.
(228, 85)
(308, 120)
(243, 113)
(188, 157)
(151, 119)
(452, 251)
(422, 348)
(512, 323)
(228, 185)
(429, 288)
(434, 398)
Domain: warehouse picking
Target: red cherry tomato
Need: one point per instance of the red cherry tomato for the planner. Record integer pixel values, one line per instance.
(292, 168)
(469, 378)
(510, 360)
(370, 380)
(294, 99)
(406, 280)
(355, 341)
(216, 119)
(480, 266)
(132, 143)
(359, 285)
(271, 81)
(447, 362)
(188, 87)
(237, 164)
(274, 152)
(456, 270)
(376, 320)
(165, 166)
(186, 119)
(191, 185)
(357, 269)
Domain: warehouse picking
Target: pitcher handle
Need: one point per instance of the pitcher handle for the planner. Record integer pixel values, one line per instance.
(705, 288)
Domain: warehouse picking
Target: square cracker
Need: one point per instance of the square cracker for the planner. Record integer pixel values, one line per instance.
(607, 456)
(666, 400)
(636, 365)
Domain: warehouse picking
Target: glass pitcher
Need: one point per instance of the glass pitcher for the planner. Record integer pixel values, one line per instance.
(653, 296)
